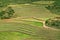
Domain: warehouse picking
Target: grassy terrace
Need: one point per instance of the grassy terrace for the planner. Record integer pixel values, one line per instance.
(27, 29)
(16, 26)
(30, 21)
(31, 10)
(12, 36)
(44, 2)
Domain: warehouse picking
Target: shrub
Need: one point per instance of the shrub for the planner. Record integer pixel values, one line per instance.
(6, 14)
(2, 13)
(53, 22)
(9, 11)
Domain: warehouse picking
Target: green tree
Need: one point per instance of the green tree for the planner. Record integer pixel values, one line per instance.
(53, 22)
(9, 12)
(6, 14)
(2, 13)
(57, 3)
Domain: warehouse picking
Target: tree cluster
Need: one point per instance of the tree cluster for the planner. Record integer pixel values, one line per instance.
(7, 13)
(53, 22)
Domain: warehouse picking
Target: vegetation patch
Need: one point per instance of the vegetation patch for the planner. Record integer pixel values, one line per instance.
(7, 13)
(53, 22)
(54, 7)
(27, 9)
(12, 36)
(34, 23)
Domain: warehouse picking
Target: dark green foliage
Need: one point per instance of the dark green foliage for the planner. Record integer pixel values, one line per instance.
(57, 3)
(2, 13)
(3, 4)
(16, 1)
(53, 22)
(55, 8)
(6, 14)
(7, 2)
(20, 1)
(10, 12)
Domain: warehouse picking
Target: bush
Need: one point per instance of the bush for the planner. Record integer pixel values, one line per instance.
(6, 14)
(53, 22)
(9, 11)
(2, 13)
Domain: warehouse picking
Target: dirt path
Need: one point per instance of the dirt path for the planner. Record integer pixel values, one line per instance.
(44, 26)
(49, 27)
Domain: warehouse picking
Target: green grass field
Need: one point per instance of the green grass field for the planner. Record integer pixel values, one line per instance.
(18, 29)
(9, 26)
(32, 11)
(12, 36)
(41, 33)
